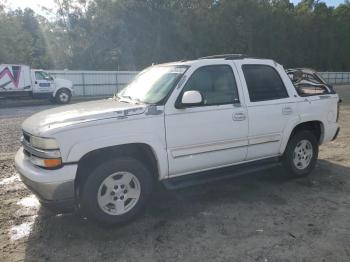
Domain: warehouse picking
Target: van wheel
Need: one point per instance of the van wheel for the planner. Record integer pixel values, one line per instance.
(116, 191)
(63, 96)
(301, 154)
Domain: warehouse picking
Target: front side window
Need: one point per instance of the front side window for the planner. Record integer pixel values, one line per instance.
(41, 75)
(216, 84)
(264, 83)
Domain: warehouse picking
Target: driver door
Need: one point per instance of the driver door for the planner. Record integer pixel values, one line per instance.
(42, 83)
(212, 134)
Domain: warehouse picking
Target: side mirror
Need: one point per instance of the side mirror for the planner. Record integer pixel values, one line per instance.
(191, 98)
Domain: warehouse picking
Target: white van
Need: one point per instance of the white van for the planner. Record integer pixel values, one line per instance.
(17, 80)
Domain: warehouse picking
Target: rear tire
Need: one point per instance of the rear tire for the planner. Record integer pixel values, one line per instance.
(116, 191)
(301, 154)
(63, 96)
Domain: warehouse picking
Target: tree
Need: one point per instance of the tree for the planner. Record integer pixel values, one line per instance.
(132, 34)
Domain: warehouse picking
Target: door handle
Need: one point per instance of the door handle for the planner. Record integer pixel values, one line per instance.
(239, 116)
(287, 110)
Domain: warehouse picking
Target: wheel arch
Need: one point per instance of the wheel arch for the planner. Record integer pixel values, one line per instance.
(140, 151)
(60, 88)
(315, 126)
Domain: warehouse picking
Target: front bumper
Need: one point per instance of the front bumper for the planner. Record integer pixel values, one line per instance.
(330, 132)
(336, 134)
(54, 188)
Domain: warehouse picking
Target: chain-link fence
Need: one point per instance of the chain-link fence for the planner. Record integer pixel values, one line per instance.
(99, 83)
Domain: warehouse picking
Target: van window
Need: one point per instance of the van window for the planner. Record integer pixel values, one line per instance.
(41, 75)
(264, 83)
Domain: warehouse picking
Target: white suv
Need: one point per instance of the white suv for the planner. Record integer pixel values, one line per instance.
(174, 123)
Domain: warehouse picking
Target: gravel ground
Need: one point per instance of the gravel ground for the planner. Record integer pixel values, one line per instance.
(259, 217)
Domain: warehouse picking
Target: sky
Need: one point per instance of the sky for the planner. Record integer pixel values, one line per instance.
(328, 2)
(36, 4)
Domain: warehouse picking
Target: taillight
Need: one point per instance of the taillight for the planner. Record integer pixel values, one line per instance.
(338, 109)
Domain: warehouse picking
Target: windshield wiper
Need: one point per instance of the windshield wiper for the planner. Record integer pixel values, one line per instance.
(129, 99)
(138, 101)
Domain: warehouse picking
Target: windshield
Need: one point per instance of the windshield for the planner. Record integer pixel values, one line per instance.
(152, 85)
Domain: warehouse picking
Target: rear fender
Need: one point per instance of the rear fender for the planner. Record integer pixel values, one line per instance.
(290, 128)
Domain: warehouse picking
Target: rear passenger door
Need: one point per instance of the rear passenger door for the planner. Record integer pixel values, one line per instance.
(269, 106)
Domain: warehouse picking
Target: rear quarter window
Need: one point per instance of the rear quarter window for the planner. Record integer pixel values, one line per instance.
(264, 83)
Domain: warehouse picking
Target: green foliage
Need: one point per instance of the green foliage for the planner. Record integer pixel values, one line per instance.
(132, 34)
(26, 38)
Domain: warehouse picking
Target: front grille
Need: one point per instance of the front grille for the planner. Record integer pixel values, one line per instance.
(26, 153)
(26, 141)
(26, 137)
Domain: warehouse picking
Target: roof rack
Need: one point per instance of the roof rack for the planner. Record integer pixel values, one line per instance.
(226, 56)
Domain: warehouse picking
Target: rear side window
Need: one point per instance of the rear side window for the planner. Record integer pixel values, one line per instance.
(264, 83)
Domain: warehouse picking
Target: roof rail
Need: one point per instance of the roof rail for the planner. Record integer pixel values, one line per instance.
(226, 56)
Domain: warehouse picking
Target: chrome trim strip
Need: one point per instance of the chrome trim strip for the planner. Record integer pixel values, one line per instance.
(264, 139)
(204, 148)
(223, 145)
(39, 152)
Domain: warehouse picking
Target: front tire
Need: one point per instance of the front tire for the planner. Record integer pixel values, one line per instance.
(63, 96)
(116, 191)
(301, 154)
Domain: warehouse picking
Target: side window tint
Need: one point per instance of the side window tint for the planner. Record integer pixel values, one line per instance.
(264, 83)
(216, 84)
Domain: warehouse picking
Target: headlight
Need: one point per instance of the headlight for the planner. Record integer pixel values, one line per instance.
(43, 143)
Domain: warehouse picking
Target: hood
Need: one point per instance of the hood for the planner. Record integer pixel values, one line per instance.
(60, 82)
(39, 123)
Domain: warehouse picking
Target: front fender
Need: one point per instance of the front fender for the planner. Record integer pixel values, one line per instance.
(78, 150)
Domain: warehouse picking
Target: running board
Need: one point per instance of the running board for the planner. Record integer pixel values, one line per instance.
(220, 174)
